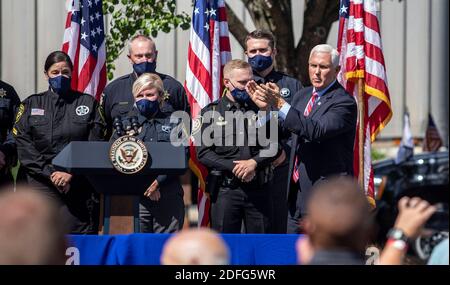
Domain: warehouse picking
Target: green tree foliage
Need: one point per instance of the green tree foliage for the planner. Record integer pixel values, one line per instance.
(130, 17)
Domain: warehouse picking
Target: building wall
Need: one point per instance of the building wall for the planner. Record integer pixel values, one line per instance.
(416, 52)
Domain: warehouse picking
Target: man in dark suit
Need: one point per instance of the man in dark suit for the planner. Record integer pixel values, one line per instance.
(322, 119)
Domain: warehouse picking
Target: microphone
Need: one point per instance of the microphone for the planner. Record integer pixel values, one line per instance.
(127, 125)
(117, 125)
(135, 124)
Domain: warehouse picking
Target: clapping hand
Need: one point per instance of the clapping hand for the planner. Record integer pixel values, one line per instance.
(256, 94)
(272, 95)
(264, 95)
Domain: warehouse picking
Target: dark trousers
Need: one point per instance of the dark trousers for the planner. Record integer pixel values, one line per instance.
(297, 206)
(298, 200)
(278, 192)
(79, 207)
(6, 179)
(294, 215)
(165, 215)
(236, 205)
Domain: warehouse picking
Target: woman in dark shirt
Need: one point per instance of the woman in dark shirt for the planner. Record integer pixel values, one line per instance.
(161, 208)
(45, 124)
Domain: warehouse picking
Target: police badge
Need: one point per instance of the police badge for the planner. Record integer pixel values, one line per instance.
(128, 154)
(285, 92)
(166, 95)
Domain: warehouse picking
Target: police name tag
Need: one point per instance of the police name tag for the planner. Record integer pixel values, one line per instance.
(128, 154)
(37, 112)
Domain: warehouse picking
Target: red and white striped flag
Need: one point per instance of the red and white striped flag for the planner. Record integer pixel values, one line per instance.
(209, 50)
(361, 56)
(84, 42)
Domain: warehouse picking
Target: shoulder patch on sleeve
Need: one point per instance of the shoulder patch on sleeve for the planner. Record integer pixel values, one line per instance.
(102, 99)
(20, 111)
(101, 112)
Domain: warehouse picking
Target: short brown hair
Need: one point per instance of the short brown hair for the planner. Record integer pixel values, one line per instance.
(139, 37)
(261, 34)
(235, 64)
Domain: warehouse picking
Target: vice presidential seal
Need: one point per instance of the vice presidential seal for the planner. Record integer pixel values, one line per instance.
(128, 154)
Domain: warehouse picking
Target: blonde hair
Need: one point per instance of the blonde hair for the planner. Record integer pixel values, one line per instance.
(235, 64)
(147, 81)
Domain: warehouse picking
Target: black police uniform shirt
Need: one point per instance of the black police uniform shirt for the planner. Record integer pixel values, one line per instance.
(9, 102)
(47, 122)
(156, 129)
(220, 156)
(117, 98)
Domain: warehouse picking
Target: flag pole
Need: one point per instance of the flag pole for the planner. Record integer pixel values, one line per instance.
(361, 112)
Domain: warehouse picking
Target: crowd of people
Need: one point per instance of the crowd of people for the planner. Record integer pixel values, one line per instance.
(285, 168)
(33, 231)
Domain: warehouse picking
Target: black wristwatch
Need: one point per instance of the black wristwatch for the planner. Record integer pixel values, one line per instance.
(397, 234)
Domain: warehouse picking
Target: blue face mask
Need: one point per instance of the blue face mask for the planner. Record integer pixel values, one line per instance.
(60, 84)
(240, 95)
(144, 67)
(147, 108)
(260, 62)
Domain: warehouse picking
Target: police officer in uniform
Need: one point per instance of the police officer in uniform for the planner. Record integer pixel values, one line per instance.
(9, 102)
(45, 124)
(261, 52)
(238, 172)
(161, 208)
(117, 99)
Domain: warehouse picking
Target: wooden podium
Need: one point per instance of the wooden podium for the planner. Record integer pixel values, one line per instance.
(119, 205)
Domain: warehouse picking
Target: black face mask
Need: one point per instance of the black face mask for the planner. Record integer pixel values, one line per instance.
(144, 67)
(260, 62)
(240, 95)
(60, 84)
(147, 108)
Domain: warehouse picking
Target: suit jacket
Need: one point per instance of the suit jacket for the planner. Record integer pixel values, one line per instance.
(324, 140)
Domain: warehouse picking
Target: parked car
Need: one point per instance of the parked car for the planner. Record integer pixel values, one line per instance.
(424, 175)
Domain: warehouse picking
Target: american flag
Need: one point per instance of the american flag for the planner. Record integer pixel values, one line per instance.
(361, 56)
(209, 50)
(432, 141)
(84, 42)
